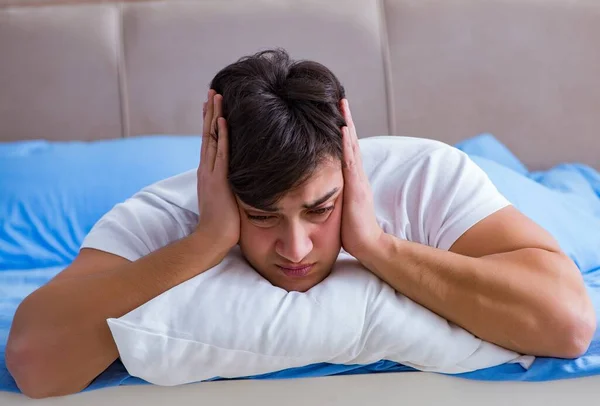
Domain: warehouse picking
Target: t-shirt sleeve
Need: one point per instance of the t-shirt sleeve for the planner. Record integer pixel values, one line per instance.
(455, 194)
(139, 226)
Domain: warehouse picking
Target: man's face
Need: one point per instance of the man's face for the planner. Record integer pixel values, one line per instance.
(296, 246)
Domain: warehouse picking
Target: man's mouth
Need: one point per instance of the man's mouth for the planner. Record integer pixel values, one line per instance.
(296, 271)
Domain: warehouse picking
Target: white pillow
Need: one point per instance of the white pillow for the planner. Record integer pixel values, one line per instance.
(230, 322)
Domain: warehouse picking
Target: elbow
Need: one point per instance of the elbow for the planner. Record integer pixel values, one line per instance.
(23, 363)
(23, 359)
(31, 366)
(570, 315)
(20, 362)
(575, 333)
(577, 337)
(34, 378)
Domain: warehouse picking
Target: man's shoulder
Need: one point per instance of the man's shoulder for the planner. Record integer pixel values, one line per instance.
(178, 191)
(401, 146)
(398, 153)
(427, 191)
(155, 216)
(404, 141)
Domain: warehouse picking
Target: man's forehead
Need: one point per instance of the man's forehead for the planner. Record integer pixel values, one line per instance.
(302, 199)
(325, 181)
(310, 196)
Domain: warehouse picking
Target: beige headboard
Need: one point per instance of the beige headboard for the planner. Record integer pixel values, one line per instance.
(527, 71)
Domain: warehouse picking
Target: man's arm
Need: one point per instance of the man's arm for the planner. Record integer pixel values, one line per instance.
(60, 341)
(505, 280)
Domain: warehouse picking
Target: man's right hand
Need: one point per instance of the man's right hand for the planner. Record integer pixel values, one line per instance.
(219, 217)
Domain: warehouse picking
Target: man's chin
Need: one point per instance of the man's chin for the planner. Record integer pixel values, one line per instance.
(301, 285)
(297, 287)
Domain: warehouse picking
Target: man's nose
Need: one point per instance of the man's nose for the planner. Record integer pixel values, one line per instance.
(295, 243)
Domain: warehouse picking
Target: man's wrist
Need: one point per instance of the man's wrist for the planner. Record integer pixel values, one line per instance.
(377, 255)
(211, 248)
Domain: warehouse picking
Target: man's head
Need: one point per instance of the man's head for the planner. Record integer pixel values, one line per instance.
(284, 122)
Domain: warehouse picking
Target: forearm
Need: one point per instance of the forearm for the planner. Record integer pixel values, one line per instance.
(527, 300)
(60, 334)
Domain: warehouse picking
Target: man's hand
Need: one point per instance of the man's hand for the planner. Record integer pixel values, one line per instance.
(360, 230)
(219, 216)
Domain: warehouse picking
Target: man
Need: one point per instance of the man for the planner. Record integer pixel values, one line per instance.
(283, 175)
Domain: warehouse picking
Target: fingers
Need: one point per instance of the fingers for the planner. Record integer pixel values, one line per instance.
(207, 119)
(217, 112)
(352, 158)
(348, 118)
(222, 159)
(349, 160)
(212, 136)
(213, 150)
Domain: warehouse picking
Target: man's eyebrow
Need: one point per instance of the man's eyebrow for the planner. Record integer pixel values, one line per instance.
(308, 206)
(269, 209)
(321, 200)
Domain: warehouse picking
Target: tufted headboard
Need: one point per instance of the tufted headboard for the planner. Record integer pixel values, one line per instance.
(527, 71)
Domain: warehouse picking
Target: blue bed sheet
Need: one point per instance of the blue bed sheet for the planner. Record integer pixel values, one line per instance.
(564, 199)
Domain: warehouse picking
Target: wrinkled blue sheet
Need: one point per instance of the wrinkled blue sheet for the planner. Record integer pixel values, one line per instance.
(565, 200)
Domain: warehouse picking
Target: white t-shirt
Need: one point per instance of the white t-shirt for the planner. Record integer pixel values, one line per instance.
(424, 191)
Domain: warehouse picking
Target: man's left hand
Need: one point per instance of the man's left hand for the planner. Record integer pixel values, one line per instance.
(360, 230)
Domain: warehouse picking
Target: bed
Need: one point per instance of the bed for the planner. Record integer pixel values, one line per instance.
(524, 71)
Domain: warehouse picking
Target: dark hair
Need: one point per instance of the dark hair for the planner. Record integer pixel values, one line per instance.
(284, 119)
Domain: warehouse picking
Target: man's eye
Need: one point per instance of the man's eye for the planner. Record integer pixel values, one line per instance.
(259, 218)
(320, 212)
